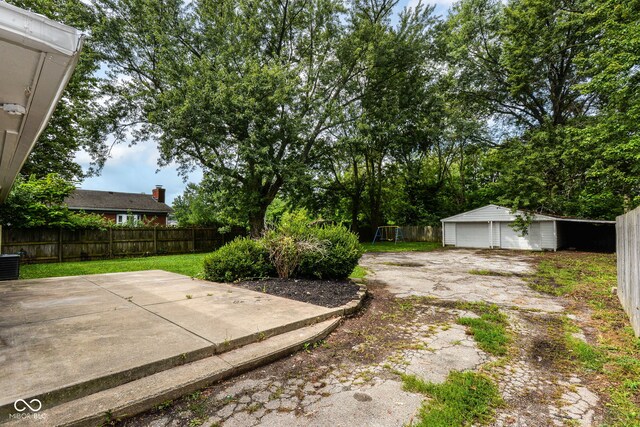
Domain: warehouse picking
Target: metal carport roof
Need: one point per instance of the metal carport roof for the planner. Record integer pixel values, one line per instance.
(37, 59)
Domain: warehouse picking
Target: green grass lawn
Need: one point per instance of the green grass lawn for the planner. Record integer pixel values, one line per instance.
(190, 265)
(401, 246)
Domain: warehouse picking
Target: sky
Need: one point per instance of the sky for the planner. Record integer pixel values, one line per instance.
(134, 169)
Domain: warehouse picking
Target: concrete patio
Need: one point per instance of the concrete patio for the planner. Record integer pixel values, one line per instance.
(67, 338)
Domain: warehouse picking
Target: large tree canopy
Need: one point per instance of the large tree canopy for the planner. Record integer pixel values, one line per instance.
(366, 117)
(244, 89)
(524, 62)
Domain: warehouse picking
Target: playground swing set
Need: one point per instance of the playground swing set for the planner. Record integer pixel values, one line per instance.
(388, 233)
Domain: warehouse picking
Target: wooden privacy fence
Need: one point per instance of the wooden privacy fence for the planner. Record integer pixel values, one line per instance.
(628, 251)
(57, 245)
(421, 233)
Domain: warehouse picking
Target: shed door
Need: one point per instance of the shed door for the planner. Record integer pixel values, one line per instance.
(472, 234)
(510, 239)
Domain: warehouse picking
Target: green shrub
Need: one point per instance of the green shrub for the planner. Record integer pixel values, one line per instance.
(340, 256)
(286, 250)
(242, 258)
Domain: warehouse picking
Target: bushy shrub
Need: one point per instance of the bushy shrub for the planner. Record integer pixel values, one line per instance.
(341, 254)
(286, 250)
(293, 248)
(242, 258)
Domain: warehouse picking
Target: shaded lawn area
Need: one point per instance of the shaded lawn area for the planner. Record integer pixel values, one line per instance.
(188, 264)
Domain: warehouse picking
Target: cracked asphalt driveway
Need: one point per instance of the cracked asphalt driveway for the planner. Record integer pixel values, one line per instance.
(447, 275)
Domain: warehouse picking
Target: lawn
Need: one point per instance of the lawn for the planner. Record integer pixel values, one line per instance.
(189, 264)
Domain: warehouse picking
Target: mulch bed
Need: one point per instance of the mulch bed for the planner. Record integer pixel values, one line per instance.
(326, 293)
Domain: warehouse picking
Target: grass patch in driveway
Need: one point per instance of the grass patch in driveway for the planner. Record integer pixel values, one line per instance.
(465, 398)
(490, 329)
(359, 272)
(612, 357)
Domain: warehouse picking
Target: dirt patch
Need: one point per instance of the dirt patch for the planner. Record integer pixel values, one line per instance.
(326, 293)
(546, 352)
(544, 343)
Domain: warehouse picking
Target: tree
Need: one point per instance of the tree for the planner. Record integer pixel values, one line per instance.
(393, 109)
(246, 89)
(521, 63)
(78, 121)
(613, 135)
(39, 202)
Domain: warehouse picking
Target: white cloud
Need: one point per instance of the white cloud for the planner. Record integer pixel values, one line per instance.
(133, 170)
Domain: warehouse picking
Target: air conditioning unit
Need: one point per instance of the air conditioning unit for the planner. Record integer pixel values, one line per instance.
(9, 267)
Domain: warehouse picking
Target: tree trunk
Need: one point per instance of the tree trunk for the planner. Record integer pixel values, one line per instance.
(355, 212)
(256, 221)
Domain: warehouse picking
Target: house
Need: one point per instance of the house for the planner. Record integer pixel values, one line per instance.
(121, 207)
(38, 59)
(491, 227)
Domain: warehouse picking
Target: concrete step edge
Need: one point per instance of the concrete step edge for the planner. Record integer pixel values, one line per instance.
(95, 385)
(148, 392)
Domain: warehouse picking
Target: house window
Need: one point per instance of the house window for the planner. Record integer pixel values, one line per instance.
(123, 218)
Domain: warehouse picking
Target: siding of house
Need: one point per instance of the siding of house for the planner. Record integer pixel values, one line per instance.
(449, 233)
(159, 219)
(547, 238)
(495, 236)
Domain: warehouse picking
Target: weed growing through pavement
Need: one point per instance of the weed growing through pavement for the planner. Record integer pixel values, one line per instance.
(465, 398)
(489, 330)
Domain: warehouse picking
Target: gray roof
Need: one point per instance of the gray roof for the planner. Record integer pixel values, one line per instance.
(93, 200)
(500, 213)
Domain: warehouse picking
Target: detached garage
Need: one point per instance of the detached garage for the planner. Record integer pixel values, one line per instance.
(491, 227)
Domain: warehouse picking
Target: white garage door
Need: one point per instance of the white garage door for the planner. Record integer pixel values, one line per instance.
(472, 234)
(510, 239)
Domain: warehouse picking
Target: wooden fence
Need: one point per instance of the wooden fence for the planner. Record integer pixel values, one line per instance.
(421, 233)
(628, 249)
(57, 245)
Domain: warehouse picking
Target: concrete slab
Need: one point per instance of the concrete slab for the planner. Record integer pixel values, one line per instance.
(148, 392)
(49, 359)
(37, 301)
(68, 337)
(242, 313)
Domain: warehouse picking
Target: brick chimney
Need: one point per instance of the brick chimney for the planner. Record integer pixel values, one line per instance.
(158, 193)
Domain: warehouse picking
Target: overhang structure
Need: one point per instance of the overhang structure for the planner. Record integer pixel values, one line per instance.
(37, 59)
